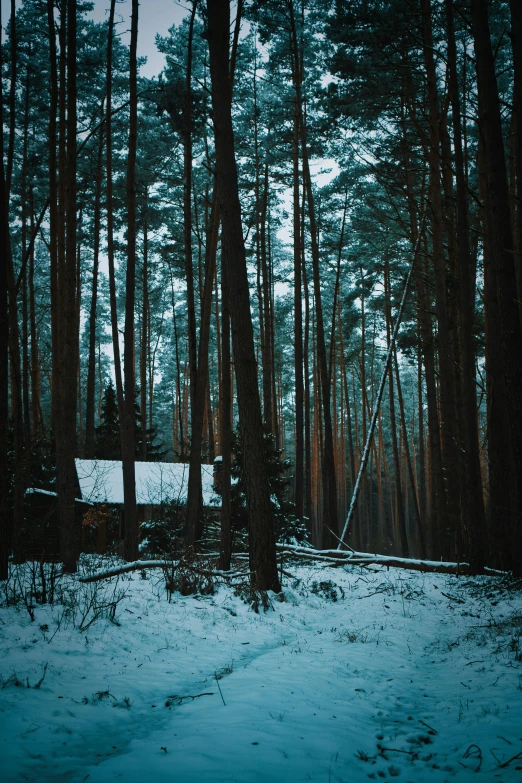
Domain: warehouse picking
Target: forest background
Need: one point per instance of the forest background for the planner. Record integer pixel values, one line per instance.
(119, 332)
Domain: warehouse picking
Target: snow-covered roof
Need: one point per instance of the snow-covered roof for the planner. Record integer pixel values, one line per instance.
(101, 481)
(38, 491)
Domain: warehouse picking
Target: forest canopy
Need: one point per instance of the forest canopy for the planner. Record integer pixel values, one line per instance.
(297, 248)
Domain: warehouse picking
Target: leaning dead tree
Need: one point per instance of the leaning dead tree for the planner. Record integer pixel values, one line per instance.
(380, 393)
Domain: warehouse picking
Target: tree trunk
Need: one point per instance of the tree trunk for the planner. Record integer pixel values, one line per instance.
(145, 336)
(298, 334)
(128, 422)
(187, 215)
(4, 355)
(261, 534)
(269, 398)
(473, 513)
(225, 426)
(449, 524)
(500, 286)
(68, 326)
(407, 455)
(516, 43)
(110, 219)
(330, 523)
(194, 496)
(91, 368)
(307, 404)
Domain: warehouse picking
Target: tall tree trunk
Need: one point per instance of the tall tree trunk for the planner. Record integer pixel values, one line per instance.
(473, 513)
(194, 496)
(36, 411)
(269, 398)
(68, 324)
(225, 426)
(330, 523)
(128, 422)
(516, 43)
(437, 498)
(179, 404)
(307, 403)
(407, 456)
(53, 205)
(91, 367)
(110, 219)
(298, 333)
(263, 562)
(504, 340)
(25, 304)
(449, 524)
(401, 521)
(14, 334)
(4, 352)
(145, 336)
(187, 214)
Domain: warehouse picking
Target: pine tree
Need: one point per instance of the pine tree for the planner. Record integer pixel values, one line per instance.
(108, 444)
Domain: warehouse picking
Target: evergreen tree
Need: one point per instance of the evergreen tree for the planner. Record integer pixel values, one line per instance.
(108, 432)
(287, 527)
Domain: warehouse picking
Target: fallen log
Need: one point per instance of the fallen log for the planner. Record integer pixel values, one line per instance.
(332, 558)
(141, 565)
(336, 558)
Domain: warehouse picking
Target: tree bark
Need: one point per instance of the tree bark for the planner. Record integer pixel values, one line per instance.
(225, 425)
(500, 286)
(261, 534)
(473, 512)
(145, 336)
(330, 522)
(110, 218)
(401, 521)
(187, 214)
(450, 521)
(298, 333)
(516, 44)
(194, 496)
(128, 421)
(68, 325)
(91, 368)
(4, 354)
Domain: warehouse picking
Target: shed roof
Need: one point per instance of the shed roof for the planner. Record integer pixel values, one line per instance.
(101, 481)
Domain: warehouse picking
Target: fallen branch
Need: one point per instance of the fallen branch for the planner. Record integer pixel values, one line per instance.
(452, 598)
(180, 699)
(141, 565)
(332, 558)
(137, 565)
(513, 758)
(339, 558)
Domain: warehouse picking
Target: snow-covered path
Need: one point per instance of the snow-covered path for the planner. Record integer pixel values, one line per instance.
(405, 675)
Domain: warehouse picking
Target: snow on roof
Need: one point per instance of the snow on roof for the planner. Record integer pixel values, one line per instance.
(38, 491)
(101, 481)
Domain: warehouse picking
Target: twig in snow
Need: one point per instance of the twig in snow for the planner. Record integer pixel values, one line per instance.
(452, 598)
(473, 752)
(428, 726)
(219, 686)
(180, 699)
(42, 678)
(513, 758)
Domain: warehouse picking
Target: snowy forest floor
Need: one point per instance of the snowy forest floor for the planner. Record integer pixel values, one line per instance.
(360, 674)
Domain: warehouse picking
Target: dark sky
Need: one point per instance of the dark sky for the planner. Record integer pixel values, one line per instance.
(155, 16)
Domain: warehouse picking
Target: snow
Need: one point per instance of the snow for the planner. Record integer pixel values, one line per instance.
(404, 675)
(38, 491)
(101, 481)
